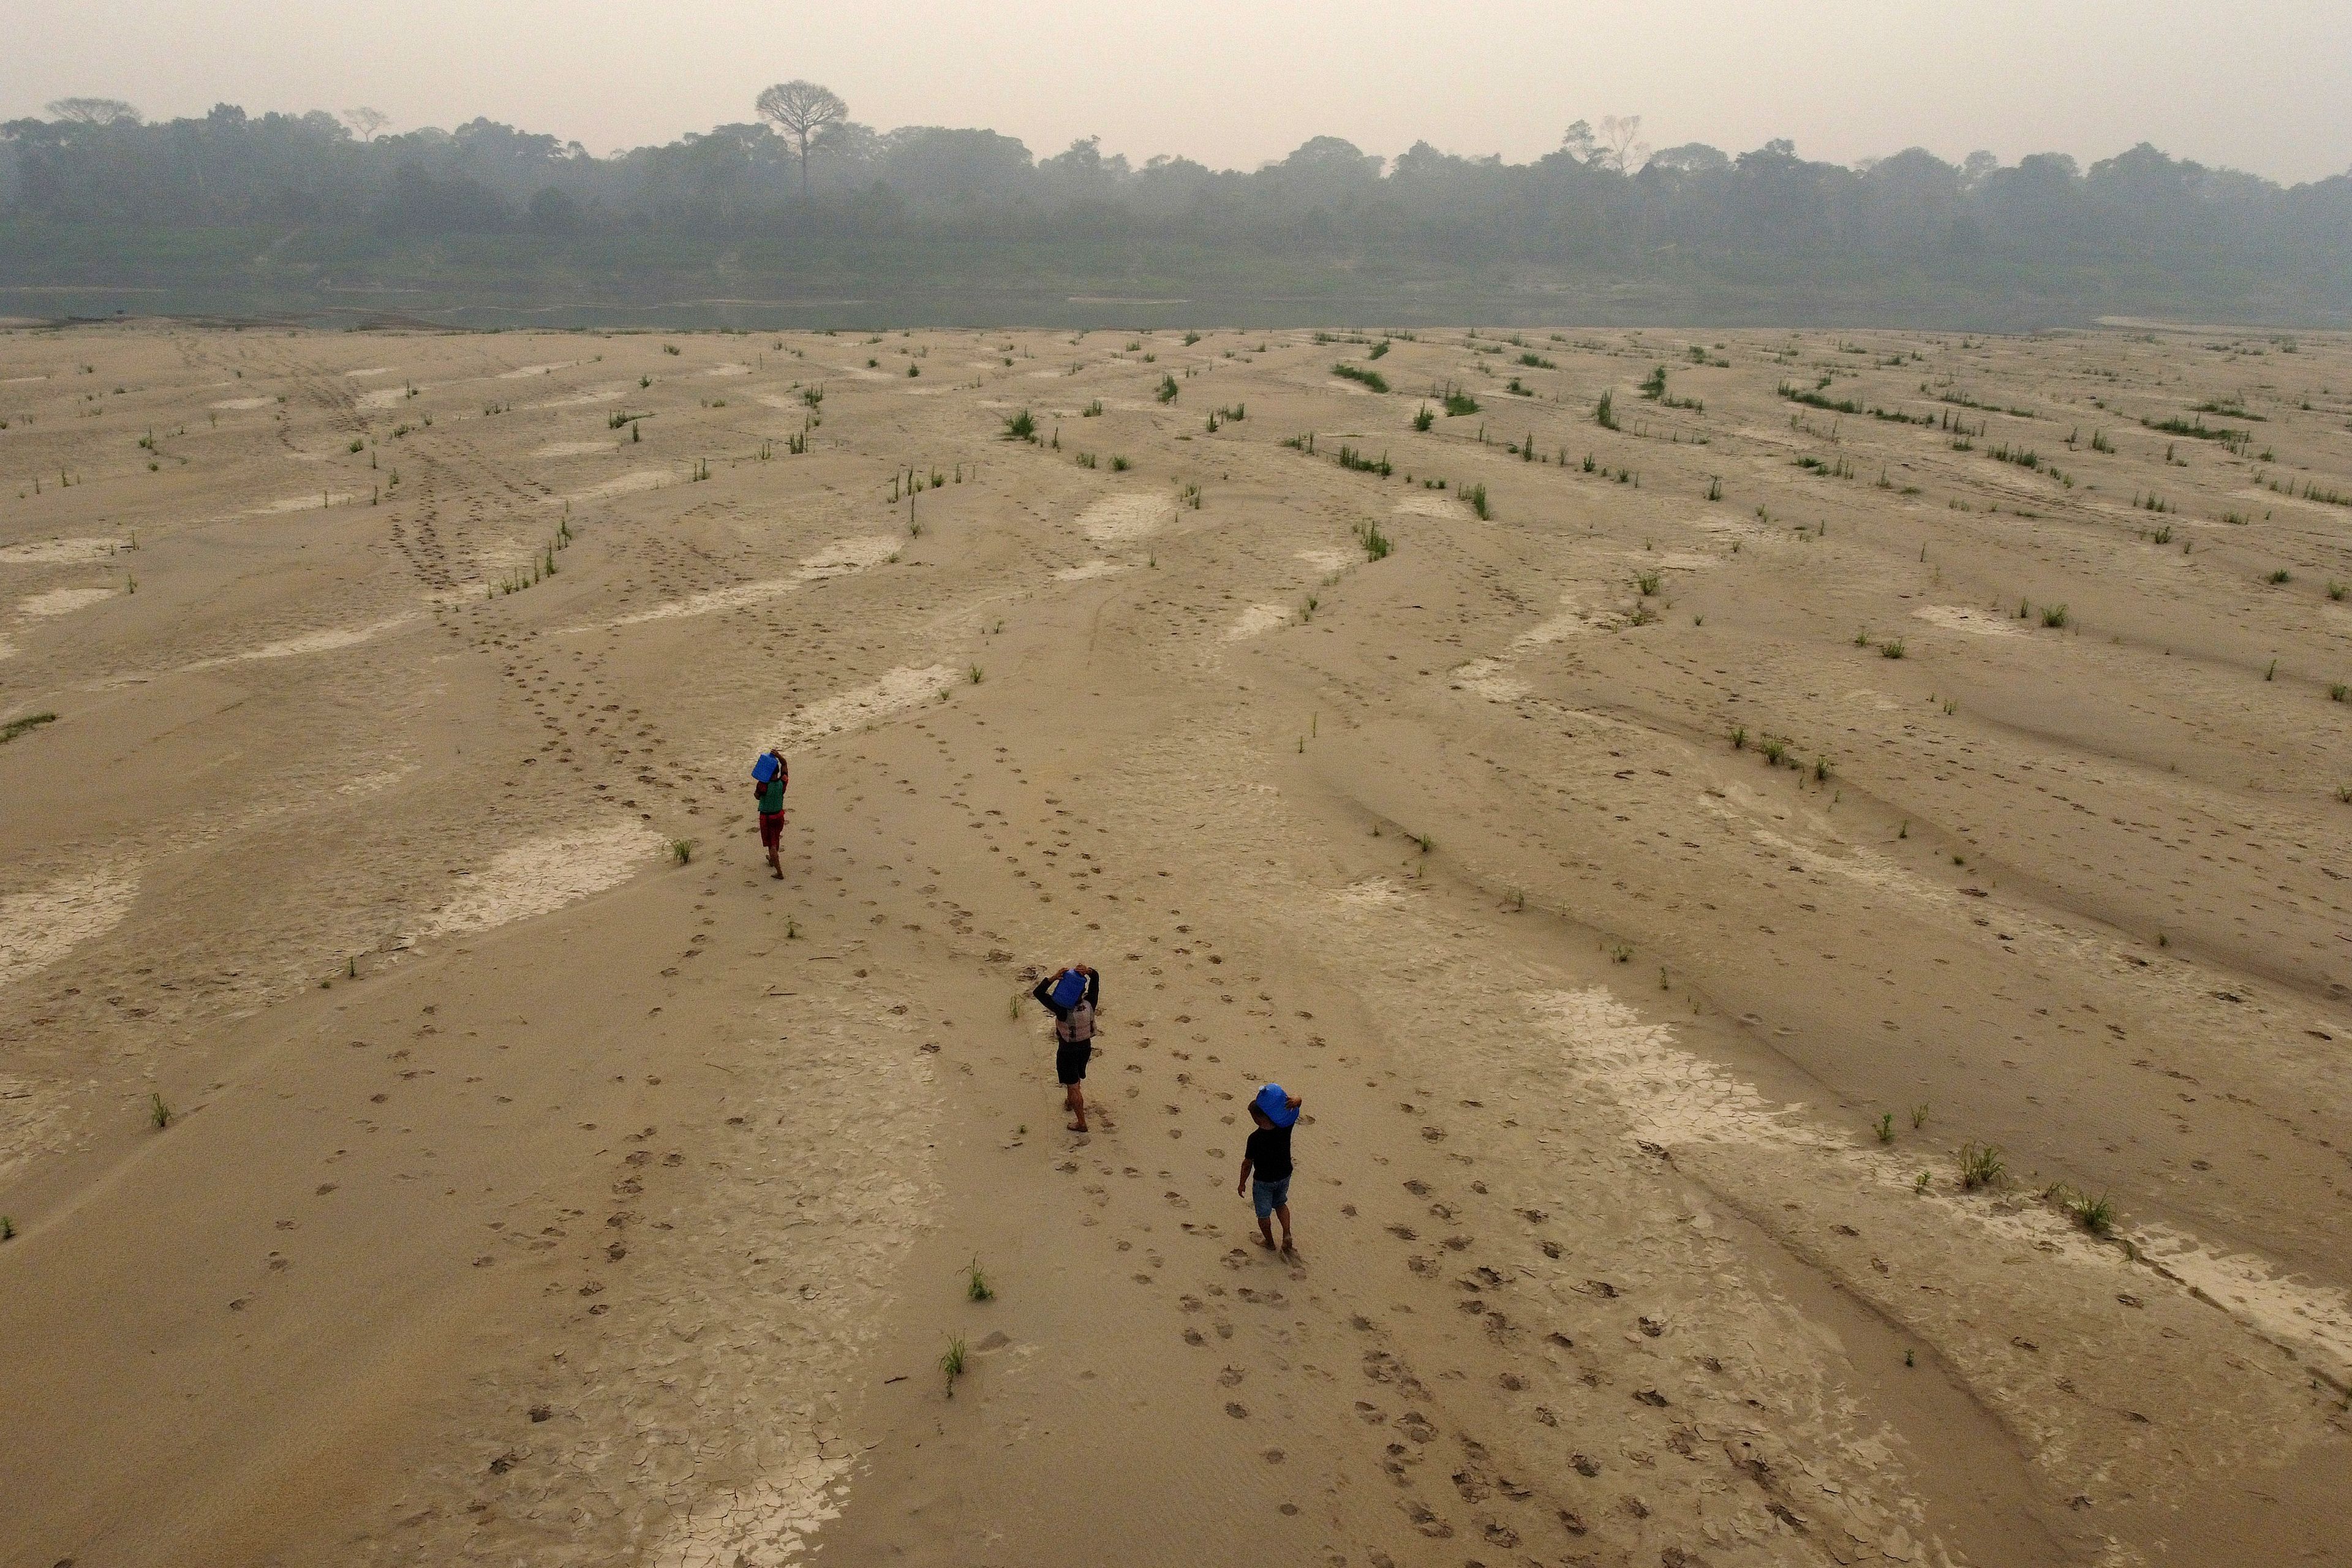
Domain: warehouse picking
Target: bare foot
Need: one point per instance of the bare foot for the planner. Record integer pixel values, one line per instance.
(1266, 1242)
(1286, 1247)
(779, 876)
(1078, 1127)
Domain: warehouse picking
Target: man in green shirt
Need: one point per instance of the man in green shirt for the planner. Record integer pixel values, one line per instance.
(770, 778)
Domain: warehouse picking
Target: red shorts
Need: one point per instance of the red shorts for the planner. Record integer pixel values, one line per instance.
(771, 829)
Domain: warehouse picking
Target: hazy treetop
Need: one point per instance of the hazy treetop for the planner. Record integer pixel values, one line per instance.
(1234, 88)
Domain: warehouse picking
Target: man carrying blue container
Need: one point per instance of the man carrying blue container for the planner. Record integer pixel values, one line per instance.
(770, 778)
(1071, 994)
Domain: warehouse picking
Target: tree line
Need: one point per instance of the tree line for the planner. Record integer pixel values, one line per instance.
(2141, 229)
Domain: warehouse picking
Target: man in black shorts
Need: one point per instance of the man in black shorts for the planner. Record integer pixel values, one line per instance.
(1073, 1006)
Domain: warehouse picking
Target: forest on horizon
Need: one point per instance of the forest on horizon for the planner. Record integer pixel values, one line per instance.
(814, 219)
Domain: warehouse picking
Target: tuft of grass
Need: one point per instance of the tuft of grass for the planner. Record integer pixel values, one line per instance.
(1424, 417)
(2281, 575)
(8, 1228)
(1357, 374)
(1476, 496)
(2337, 590)
(16, 727)
(681, 850)
(1092, 410)
(974, 675)
(2053, 616)
(1891, 649)
(1775, 751)
(1921, 1185)
(1426, 843)
(1377, 545)
(1886, 1128)
(1604, 414)
(1739, 737)
(952, 1361)
(1919, 1117)
(1120, 465)
(2096, 1215)
(1168, 389)
(975, 1284)
(158, 1111)
(1648, 581)
(1821, 770)
(1980, 1166)
(1020, 426)
(1458, 401)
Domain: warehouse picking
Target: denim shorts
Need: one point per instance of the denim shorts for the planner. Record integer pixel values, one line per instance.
(1269, 1196)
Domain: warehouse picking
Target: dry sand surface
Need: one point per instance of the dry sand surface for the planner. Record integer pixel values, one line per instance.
(1651, 885)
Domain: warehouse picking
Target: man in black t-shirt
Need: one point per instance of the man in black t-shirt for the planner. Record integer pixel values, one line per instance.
(1267, 1158)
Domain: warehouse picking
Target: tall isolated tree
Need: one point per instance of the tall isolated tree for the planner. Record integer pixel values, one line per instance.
(804, 111)
(366, 121)
(1621, 147)
(94, 112)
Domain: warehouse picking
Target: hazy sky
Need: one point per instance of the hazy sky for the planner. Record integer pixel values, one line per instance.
(2261, 85)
